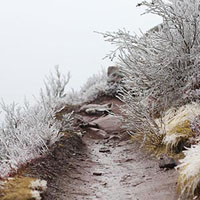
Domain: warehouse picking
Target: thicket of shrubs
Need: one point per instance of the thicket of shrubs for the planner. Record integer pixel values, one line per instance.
(29, 130)
(161, 84)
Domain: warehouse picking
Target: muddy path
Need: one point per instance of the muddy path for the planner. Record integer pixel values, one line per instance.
(115, 169)
(102, 167)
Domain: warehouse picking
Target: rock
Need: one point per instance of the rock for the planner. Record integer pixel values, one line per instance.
(114, 138)
(167, 162)
(80, 134)
(85, 121)
(104, 150)
(109, 123)
(98, 133)
(96, 109)
(97, 173)
(129, 160)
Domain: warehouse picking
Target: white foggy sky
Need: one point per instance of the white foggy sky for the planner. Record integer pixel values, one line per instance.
(36, 35)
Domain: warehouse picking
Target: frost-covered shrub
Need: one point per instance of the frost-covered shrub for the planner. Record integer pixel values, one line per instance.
(27, 131)
(55, 84)
(96, 86)
(195, 126)
(162, 71)
(140, 121)
(191, 91)
(73, 97)
(141, 124)
(53, 95)
(160, 64)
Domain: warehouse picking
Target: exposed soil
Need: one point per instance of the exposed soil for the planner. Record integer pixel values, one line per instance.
(118, 172)
(56, 164)
(106, 169)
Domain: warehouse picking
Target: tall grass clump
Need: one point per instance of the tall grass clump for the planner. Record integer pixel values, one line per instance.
(177, 125)
(189, 177)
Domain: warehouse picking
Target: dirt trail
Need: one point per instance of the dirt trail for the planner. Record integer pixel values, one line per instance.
(115, 169)
(121, 172)
(103, 169)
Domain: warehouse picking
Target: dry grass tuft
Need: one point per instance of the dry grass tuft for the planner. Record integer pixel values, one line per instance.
(188, 183)
(22, 188)
(174, 132)
(176, 125)
(175, 135)
(151, 142)
(176, 139)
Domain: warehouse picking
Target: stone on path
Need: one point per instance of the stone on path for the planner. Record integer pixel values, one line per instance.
(167, 162)
(97, 173)
(98, 133)
(95, 109)
(104, 150)
(109, 123)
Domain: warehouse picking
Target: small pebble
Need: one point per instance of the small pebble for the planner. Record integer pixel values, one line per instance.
(97, 173)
